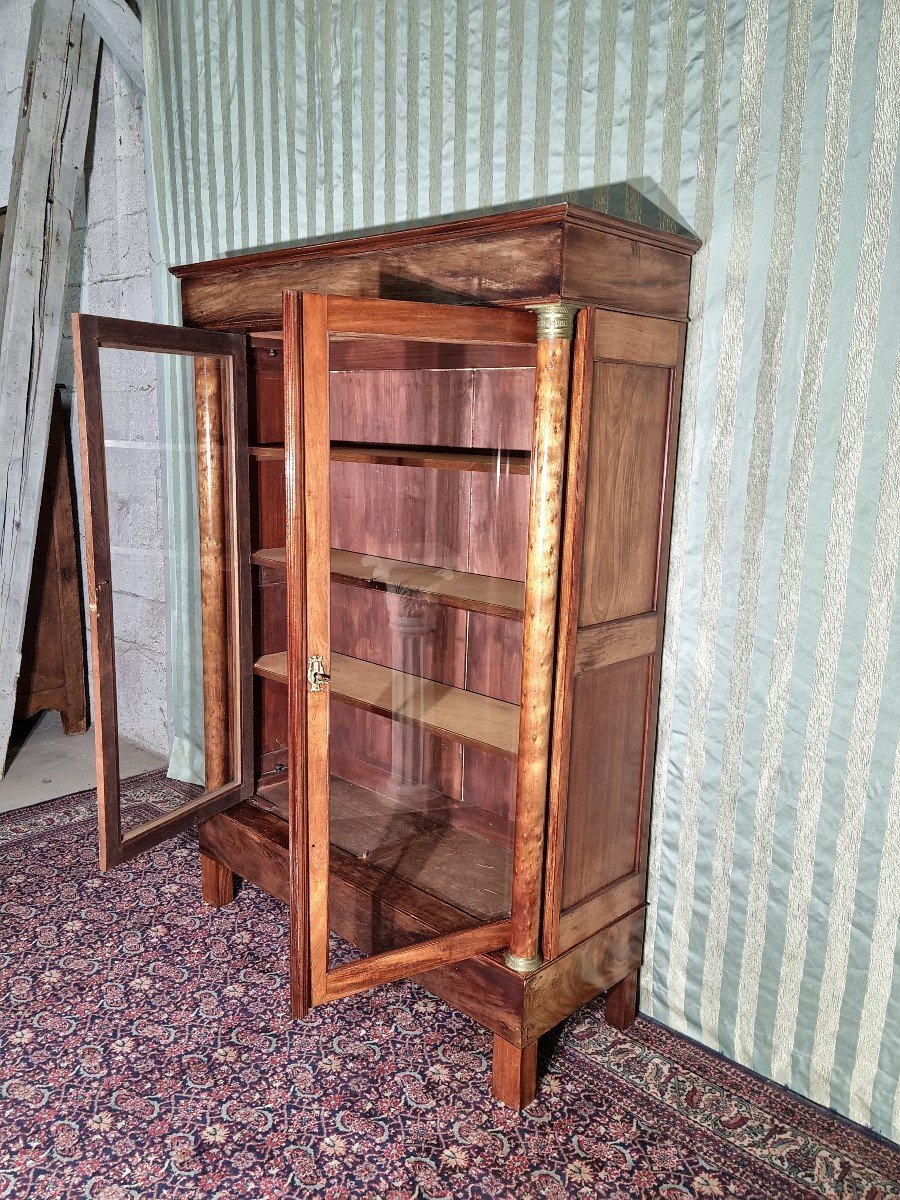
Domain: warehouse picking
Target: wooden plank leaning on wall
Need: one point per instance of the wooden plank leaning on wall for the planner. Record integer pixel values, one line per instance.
(60, 69)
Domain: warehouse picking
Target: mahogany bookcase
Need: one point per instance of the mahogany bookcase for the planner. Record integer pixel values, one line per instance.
(434, 475)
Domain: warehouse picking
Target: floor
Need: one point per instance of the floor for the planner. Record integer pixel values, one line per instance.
(45, 763)
(147, 1054)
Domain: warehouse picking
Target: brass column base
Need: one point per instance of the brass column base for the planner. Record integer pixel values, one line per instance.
(523, 966)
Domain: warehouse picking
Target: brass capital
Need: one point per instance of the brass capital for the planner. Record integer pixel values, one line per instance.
(555, 320)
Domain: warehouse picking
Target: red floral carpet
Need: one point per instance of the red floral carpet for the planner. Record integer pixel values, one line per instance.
(145, 1052)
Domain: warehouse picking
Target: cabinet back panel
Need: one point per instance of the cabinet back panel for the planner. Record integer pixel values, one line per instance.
(422, 408)
(265, 424)
(465, 521)
(606, 776)
(623, 496)
(618, 511)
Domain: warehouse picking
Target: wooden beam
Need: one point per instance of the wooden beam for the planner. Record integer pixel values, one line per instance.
(57, 96)
(121, 32)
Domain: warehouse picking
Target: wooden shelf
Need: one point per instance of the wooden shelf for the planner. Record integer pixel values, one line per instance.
(502, 462)
(458, 589)
(452, 713)
(397, 354)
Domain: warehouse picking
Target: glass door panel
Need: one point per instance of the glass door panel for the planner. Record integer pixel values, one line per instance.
(138, 542)
(408, 493)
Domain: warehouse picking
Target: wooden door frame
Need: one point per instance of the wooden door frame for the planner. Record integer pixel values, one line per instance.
(309, 320)
(91, 334)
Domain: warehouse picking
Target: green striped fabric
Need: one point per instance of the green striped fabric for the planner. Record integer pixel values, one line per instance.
(772, 131)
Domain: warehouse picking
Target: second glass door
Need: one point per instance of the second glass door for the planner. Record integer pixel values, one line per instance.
(408, 466)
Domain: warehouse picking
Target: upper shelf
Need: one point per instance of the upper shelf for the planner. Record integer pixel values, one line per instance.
(458, 715)
(457, 589)
(389, 354)
(501, 462)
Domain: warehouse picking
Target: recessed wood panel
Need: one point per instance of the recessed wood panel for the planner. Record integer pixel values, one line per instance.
(603, 820)
(629, 274)
(621, 337)
(624, 489)
(265, 415)
(267, 503)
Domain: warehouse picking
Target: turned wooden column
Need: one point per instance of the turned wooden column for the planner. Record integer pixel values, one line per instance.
(554, 332)
(413, 622)
(217, 881)
(213, 599)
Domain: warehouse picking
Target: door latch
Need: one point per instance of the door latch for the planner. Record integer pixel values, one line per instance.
(315, 673)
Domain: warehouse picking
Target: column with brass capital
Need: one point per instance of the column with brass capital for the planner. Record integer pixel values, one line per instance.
(208, 385)
(555, 325)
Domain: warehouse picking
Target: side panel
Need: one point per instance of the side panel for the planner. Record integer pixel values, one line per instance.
(618, 519)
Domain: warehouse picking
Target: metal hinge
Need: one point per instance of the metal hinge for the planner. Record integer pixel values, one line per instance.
(315, 673)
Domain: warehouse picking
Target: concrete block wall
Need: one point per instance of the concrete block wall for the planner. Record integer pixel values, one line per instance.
(110, 274)
(14, 15)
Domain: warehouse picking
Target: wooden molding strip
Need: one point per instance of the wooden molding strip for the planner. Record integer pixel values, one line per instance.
(500, 462)
(618, 641)
(404, 354)
(597, 911)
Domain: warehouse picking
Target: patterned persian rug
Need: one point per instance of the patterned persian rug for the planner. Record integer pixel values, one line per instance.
(146, 1052)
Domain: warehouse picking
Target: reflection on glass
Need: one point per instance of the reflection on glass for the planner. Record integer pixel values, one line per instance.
(172, 577)
(428, 564)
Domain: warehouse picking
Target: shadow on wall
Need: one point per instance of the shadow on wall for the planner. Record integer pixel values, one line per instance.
(640, 201)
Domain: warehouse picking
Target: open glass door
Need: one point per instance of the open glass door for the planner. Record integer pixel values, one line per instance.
(132, 535)
(408, 466)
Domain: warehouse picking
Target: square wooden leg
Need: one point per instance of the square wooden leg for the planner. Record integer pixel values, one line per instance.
(217, 882)
(514, 1079)
(621, 1002)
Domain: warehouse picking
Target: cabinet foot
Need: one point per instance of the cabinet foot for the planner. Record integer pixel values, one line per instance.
(514, 1079)
(621, 1002)
(217, 882)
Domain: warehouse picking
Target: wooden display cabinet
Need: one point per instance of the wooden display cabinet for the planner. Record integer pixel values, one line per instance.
(435, 480)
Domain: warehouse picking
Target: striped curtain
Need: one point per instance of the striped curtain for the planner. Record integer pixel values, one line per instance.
(772, 130)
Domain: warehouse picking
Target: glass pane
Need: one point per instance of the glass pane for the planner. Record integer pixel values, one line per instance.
(173, 578)
(429, 509)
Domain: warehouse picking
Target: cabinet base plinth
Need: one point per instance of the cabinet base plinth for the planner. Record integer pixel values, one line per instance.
(516, 1008)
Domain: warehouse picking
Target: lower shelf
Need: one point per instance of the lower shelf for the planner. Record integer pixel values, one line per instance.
(460, 716)
(424, 850)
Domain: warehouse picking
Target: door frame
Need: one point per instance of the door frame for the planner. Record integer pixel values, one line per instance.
(91, 334)
(309, 320)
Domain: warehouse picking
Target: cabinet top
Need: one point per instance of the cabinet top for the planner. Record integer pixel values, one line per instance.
(517, 256)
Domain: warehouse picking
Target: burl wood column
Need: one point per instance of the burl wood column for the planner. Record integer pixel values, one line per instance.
(217, 881)
(515, 1068)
